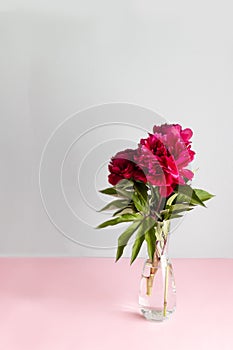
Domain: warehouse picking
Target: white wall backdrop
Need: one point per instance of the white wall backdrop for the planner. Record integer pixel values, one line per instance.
(58, 57)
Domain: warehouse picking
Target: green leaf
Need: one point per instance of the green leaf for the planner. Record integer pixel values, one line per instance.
(118, 191)
(140, 197)
(145, 226)
(175, 216)
(187, 194)
(124, 193)
(136, 247)
(125, 183)
(150, 240)
(120, 219)
(174, 209)
(179, 208)
(126, 210)
(118, 203)
(110, 191)
(138, 204)
(165, 214)
(203, 195)
(124, 238)
(141, 189)
(171, 199)
(124, 188)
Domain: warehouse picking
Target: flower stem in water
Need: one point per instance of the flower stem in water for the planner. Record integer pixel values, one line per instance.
(165, 292)
(150, 281)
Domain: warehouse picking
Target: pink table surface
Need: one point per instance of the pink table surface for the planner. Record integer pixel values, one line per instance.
(87, 303)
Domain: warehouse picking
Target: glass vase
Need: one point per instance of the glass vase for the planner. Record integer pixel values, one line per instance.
(157, 295)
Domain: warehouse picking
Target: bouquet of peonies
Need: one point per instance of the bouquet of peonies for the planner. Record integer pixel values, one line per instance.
(152, 186)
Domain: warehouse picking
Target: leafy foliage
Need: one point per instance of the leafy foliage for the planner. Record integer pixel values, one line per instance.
(124, 238)
(141, 204)
(145, 226)
(120, 219)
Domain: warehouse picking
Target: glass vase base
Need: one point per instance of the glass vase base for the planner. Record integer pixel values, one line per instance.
(156, 315)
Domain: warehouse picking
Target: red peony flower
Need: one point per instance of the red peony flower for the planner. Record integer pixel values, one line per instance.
(160, 159)
(164, 155)
(159, 167)
(122, 166)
